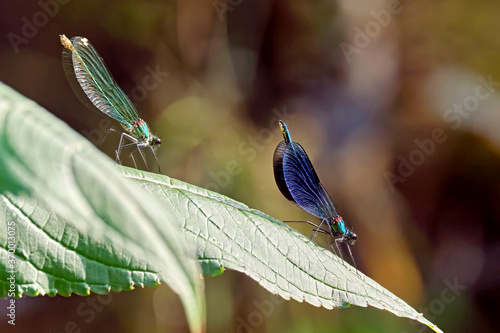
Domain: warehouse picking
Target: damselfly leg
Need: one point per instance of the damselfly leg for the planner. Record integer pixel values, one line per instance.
(338, 241)
(315, 230)
(132, 142)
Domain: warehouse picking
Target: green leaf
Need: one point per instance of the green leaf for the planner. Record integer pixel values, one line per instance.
(84, 225)
(54, 257)
(230, 235)
(79, 225)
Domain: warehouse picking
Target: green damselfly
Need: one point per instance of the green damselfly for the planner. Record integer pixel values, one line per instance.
(96, 88)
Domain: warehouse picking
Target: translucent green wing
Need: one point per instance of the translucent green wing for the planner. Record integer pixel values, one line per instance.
(92, 82)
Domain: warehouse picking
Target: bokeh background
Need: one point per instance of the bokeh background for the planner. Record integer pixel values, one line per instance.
(396, 103)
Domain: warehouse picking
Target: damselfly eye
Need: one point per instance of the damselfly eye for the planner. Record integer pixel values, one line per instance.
(352, 239)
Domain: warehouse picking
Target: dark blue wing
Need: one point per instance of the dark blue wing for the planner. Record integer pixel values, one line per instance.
(303, 184)
(279, 176)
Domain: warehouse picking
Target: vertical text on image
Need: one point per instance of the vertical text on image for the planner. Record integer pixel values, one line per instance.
(11, 269)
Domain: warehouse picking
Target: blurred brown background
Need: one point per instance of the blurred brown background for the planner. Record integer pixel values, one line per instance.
(396, 103)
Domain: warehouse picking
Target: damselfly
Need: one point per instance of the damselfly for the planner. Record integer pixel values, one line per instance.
(299, 183)
(96, 88)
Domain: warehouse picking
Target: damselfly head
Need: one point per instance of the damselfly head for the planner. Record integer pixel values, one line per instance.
(155, 141)
(350, 237)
